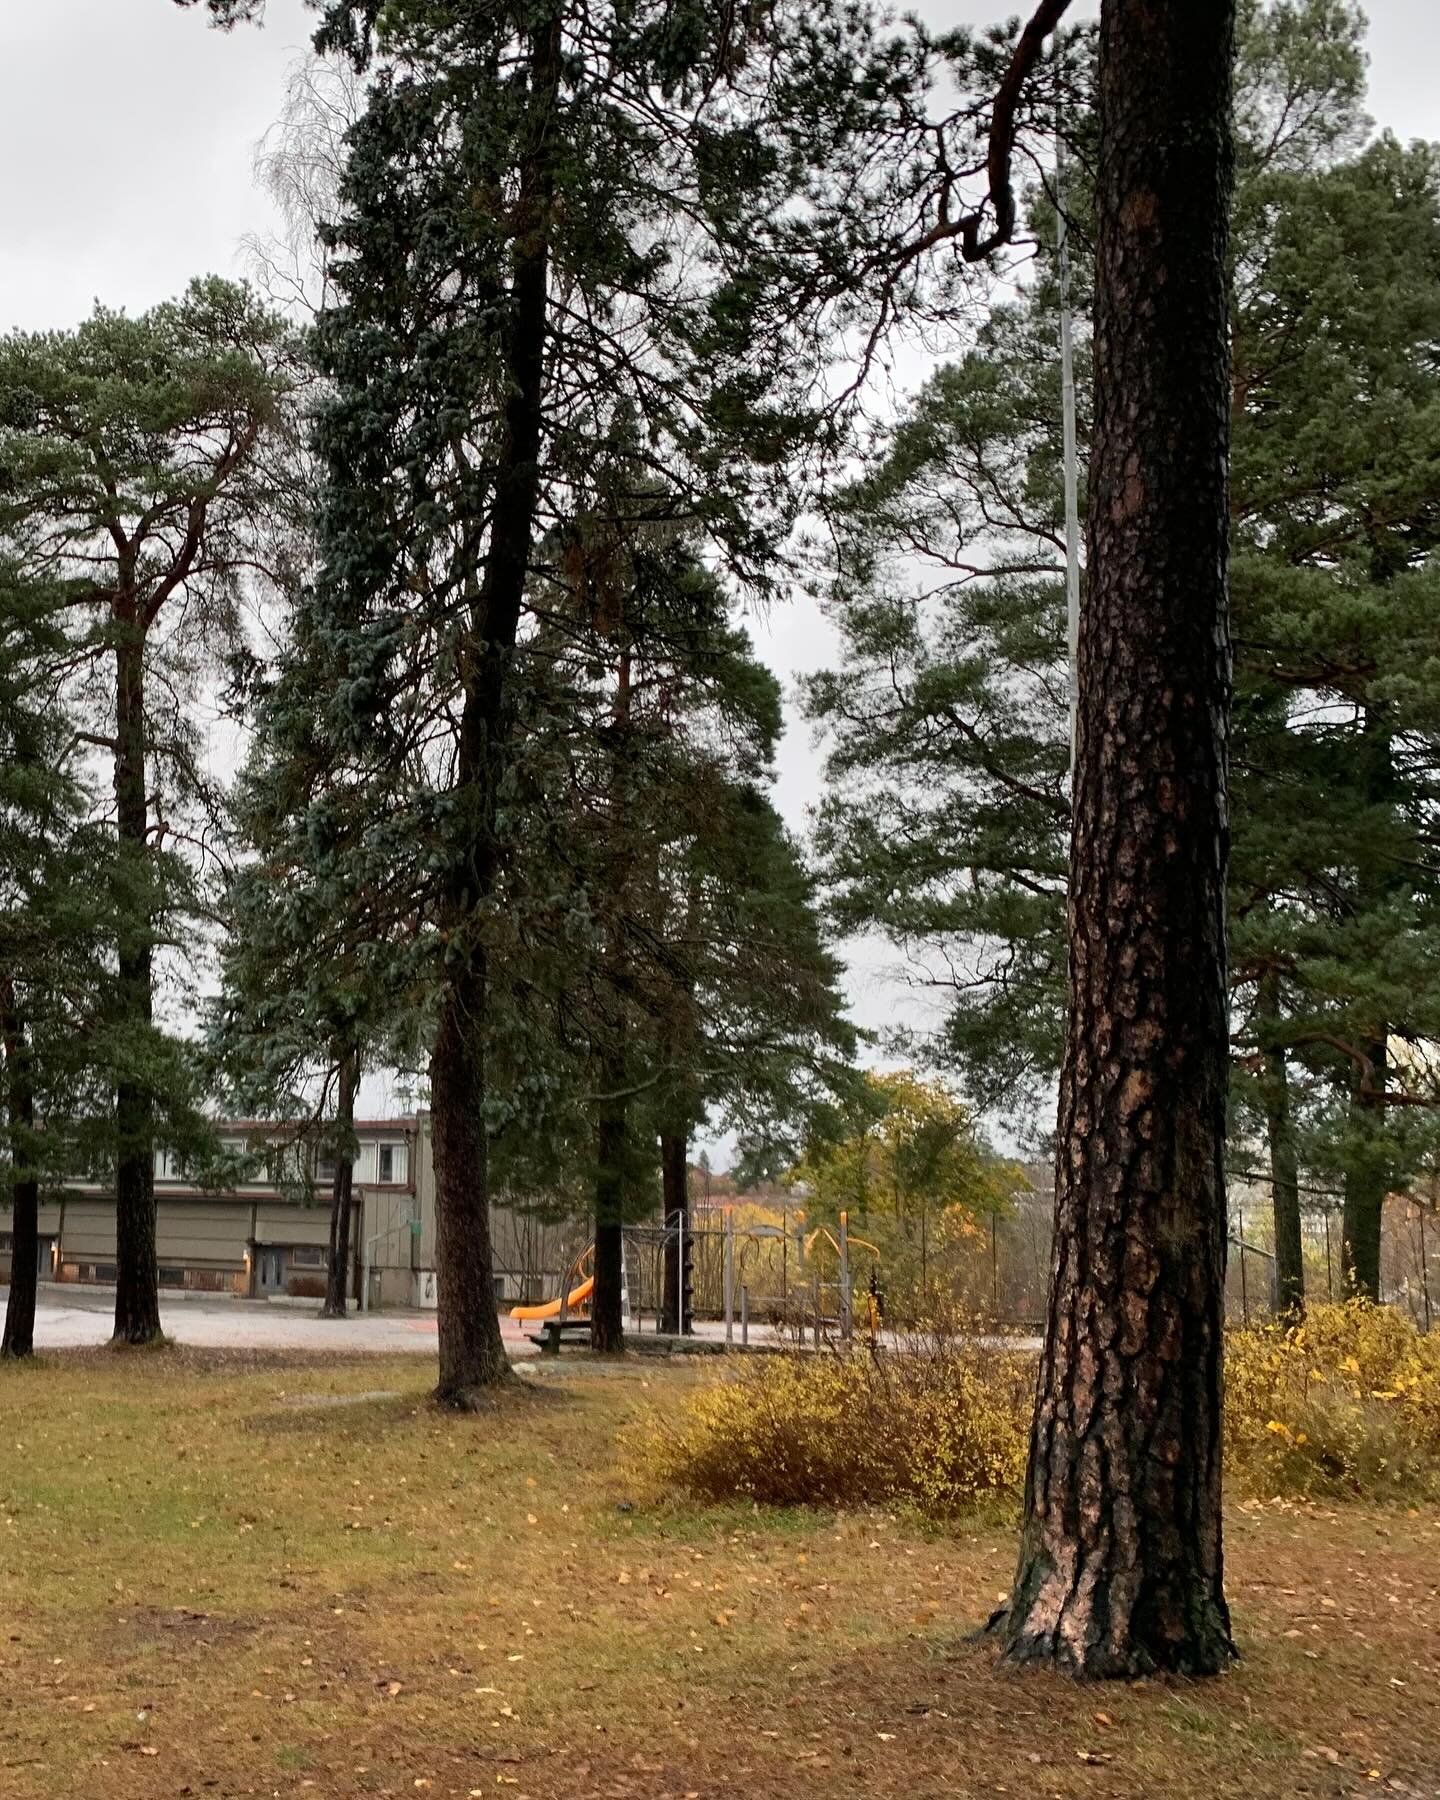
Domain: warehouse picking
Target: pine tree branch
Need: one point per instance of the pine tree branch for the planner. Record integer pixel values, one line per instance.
(1001, 195)
(1051, 802)
(226, 13)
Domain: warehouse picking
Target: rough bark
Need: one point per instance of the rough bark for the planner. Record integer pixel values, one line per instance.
(337, 1279)
(1367, 1177)
(1367, 1180)
(675, 1188)
(137, 1291)
(1120, 1568)
(19, 1335)
(607, 1324)
(472, 1352)
(1284, 1159)
(472, 1356)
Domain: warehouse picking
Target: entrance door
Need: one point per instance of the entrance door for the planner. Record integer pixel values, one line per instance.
(45, 1259)
(272, 1270)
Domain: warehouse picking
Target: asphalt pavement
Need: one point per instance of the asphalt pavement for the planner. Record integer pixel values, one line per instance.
(71, 1317)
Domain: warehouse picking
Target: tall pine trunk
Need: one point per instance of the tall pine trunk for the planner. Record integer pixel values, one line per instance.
(1120, 1566)
(607, 1323)
(675, 1192)
(337, 1280)
(137, 1290)
(682, 1047)
(19, 1336)
(1368, 1172)
(472, 1354)
(1284, 1162)
(1367, 1179)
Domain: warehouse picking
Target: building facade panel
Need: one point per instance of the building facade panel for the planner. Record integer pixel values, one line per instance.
(276, 1223)
(264, 1240)
(208, 1231)
(88, 1232)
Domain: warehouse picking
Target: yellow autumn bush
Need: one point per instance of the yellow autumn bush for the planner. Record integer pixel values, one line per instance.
(1347, 1403)
(943, 1431)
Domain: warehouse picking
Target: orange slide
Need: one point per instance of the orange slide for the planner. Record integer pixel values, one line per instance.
(551, 1308)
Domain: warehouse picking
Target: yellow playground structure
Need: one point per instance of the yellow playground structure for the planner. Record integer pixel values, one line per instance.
(577, 1297)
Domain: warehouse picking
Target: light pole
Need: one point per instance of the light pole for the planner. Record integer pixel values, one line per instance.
(1070, 456)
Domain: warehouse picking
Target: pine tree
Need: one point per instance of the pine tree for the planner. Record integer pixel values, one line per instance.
(137, 480)
(317, 982)
(950, 821)
(671, 952)
(1120, 1561)
(549, 232)
(1335, 574)
(945, 819)
(54, 983)
(226, 13)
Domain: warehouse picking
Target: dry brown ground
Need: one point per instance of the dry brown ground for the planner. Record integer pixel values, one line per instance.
(212, 1585)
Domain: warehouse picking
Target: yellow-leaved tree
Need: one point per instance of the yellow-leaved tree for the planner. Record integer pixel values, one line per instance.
(904, 1161)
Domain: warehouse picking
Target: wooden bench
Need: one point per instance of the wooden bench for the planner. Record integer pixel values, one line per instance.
(553, 1331)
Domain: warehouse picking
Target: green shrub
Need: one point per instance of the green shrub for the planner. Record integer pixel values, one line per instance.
(942, 1431)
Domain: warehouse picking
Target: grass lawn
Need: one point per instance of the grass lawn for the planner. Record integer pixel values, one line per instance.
(222, 1576)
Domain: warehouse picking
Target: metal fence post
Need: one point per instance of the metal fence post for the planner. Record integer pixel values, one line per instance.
(744, 1315)
(845, 1298)
(680, 1249)
(729, 1276)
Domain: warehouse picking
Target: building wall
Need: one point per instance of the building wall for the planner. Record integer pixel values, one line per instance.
(390, 1246)
(424, 1184)
(530, 1255)
(215, 1241)
(49, 1227)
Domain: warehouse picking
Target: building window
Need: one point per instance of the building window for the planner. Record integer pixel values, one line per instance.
(309, 1256)
(325, 1170)
(283, 1164)
(387, 1162)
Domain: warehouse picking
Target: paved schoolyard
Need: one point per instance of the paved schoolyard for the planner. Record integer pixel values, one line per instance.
(72, 1317)
(69, 1317)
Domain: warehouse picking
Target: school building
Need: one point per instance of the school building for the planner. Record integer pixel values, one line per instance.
(269, 1233)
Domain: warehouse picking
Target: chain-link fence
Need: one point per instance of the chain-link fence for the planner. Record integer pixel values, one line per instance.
(994, 1270)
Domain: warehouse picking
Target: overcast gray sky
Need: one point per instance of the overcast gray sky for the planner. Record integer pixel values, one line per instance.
(127, 130)
(127, 127)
